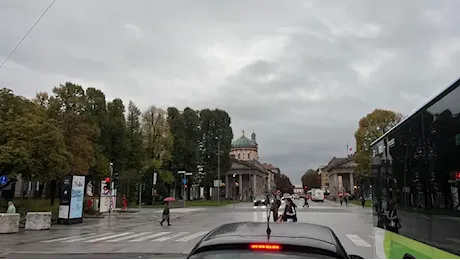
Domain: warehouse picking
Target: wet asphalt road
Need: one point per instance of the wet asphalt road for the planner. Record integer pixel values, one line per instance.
(139, 235)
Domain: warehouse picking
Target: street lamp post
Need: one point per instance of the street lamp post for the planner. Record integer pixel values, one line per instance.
(110, 188)
(234, 190)
(218, 170)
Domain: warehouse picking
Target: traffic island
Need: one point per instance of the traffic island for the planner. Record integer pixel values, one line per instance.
(38, 220)
(9, 223)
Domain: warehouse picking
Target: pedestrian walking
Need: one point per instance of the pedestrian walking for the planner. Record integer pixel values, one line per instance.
(363, 201)
(275, 207)
(305, 201)
(166, 214)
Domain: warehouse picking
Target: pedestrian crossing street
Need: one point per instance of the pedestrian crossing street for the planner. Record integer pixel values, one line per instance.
(178, 237)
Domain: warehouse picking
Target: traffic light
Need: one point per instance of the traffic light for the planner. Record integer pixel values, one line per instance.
(106, 186)
(116, 179)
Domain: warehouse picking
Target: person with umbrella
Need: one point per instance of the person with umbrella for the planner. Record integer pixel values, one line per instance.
(166, 213)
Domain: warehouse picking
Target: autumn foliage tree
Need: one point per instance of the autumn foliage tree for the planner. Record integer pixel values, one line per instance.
(371, 127)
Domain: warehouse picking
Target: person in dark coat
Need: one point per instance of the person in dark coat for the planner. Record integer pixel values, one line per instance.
(166, 214)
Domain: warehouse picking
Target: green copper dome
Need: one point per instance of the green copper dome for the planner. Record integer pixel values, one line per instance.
(244, 142)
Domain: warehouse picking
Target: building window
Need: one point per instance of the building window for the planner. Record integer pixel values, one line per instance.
(249, 156)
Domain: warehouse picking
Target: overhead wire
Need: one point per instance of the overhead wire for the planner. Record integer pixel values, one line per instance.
(27, 34)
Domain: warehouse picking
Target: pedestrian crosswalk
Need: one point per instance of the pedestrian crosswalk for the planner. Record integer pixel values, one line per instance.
(132, 237)
(178, 237)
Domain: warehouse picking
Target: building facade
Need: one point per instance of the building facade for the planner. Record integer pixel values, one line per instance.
(340, 172)
(247, 177)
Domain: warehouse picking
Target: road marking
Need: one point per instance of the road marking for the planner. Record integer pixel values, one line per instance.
(65, 238)
(358, 241)
(85, 237)
(456, 240)
(128, 237)
(192, 236)
(170, 237)
(150, 237)
(372, 237)
(108, 237)
(181, 210)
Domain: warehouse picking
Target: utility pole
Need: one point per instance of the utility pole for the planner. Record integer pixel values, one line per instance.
(218, 170)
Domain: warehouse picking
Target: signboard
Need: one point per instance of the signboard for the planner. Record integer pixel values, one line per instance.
(3, 180)
(154, 178)
(216, 183)
(76, 199)
(104, 192)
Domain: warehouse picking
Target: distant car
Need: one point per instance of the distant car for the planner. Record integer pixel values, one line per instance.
(260, 200)
(248, 240)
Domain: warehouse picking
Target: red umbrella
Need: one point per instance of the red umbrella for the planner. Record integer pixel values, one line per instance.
(169, 199)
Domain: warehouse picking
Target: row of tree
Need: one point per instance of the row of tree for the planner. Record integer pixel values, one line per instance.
(77, 131)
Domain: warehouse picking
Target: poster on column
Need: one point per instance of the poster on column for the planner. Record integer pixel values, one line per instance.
(76, 200)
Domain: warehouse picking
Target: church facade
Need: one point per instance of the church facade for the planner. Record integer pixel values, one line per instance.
(247, 176)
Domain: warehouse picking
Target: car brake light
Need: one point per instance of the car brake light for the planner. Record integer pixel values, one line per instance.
(265, 247)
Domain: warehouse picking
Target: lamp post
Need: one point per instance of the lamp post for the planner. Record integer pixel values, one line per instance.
(218, 169)
(234, 190)
(110, 188)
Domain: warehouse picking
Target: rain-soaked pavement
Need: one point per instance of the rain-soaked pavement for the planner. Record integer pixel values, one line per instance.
(139, 235)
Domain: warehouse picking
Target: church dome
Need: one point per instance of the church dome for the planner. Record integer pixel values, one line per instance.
(244, 142)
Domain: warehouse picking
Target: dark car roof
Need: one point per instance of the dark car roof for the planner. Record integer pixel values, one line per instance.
(294, 234)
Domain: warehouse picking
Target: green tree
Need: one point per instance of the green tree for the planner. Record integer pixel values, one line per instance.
(158, 143)
(117, 129)
(283, 183)
(157, 136)
(96, 112)
(135, 152)
(214, 124)
(371, 127)
(69, 105)
(30, 143)
(177, 128)
(311, 179)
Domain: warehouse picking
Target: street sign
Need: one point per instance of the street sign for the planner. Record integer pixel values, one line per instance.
(217, 183)
(188, 173)
(184, 181)
(3, 180)
(181, 172)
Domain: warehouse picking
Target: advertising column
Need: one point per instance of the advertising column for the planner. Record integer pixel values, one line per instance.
(76, 201)
(71, 199)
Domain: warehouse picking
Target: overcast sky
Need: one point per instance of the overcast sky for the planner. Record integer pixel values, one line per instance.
(299, 73)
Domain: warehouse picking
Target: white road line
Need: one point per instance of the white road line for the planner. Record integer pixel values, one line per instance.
(372, 237)
(108, 237)
(65, 238)
(128, 237)
(192, 236)
(85, 237)
(358, 241)
(170, 237)
(149, 237)
(456, 240)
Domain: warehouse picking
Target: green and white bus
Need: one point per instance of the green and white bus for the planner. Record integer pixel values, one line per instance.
(416, 168)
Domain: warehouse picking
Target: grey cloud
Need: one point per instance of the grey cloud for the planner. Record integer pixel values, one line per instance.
(334, 63)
